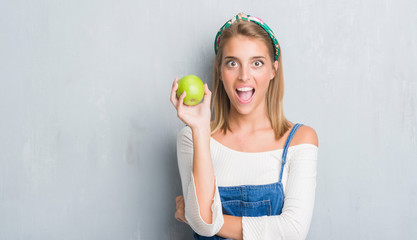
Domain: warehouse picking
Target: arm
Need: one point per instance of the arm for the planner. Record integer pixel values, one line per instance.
(202, 201)
(294, 221)
(185, 151)
(203, 172)
(232, 228)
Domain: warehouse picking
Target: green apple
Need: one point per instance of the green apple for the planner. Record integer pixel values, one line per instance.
(194, 88)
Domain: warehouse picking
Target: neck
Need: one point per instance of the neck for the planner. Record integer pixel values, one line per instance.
(247, 123)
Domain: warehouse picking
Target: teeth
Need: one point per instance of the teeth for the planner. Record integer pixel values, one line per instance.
(244, 89)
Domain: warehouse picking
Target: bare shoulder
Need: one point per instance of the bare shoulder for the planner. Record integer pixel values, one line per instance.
(306, 134)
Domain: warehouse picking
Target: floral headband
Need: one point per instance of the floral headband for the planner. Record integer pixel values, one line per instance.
(248, 18)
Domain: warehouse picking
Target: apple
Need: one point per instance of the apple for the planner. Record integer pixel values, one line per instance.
(193, 87)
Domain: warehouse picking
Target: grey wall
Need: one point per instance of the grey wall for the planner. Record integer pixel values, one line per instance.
(87, 133)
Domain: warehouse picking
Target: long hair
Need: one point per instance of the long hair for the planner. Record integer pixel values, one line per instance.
(275, 92)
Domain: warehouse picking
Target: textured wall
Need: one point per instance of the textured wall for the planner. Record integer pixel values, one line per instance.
(87, 133)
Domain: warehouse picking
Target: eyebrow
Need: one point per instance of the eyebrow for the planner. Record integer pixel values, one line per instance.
(254, 57)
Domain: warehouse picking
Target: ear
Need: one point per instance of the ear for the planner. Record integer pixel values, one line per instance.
(275, 69)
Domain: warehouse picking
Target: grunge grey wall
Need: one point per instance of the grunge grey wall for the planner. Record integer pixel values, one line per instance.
(87, 133)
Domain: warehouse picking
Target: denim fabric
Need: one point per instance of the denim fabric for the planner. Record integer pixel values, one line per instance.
(254, 200)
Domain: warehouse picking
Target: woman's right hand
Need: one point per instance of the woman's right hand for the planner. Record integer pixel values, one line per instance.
(180, 213)
(197, 116)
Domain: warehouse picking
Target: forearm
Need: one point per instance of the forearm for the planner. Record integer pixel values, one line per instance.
(203, 172)
(192, 210)
(232, 228)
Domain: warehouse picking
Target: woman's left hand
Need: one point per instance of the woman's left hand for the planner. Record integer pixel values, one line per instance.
(180, 213)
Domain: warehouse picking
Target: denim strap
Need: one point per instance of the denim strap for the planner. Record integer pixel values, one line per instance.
(287, 144)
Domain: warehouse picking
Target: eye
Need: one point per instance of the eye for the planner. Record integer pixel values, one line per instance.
(258, 63)
(231, 63)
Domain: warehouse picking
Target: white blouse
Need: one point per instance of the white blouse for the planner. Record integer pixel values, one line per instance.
(233, 168)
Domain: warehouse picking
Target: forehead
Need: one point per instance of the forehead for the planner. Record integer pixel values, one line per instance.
(241, 46)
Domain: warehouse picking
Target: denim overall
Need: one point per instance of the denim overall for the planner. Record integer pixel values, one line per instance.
(254, 200)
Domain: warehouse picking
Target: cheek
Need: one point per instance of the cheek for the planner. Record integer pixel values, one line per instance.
(263, 76)
(228, 75)
(227, 78)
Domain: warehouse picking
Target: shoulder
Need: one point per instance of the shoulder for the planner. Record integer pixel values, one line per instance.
(306, 135)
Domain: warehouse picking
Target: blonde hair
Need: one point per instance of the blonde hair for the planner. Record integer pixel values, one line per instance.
(275, 93)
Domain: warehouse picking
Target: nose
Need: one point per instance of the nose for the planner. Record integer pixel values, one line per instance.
(244, 73)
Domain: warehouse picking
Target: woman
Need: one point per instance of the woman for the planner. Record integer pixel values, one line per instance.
(250, 173)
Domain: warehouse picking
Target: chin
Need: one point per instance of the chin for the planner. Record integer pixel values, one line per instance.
(245, 109)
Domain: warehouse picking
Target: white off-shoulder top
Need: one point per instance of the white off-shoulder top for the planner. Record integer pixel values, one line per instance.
(233, 168)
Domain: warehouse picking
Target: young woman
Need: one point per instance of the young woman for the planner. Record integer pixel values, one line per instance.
(250, 173)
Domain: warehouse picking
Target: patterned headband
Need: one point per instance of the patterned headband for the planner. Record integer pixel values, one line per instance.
(248, 18)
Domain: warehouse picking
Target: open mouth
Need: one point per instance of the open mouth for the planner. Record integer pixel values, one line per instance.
(245, 94)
